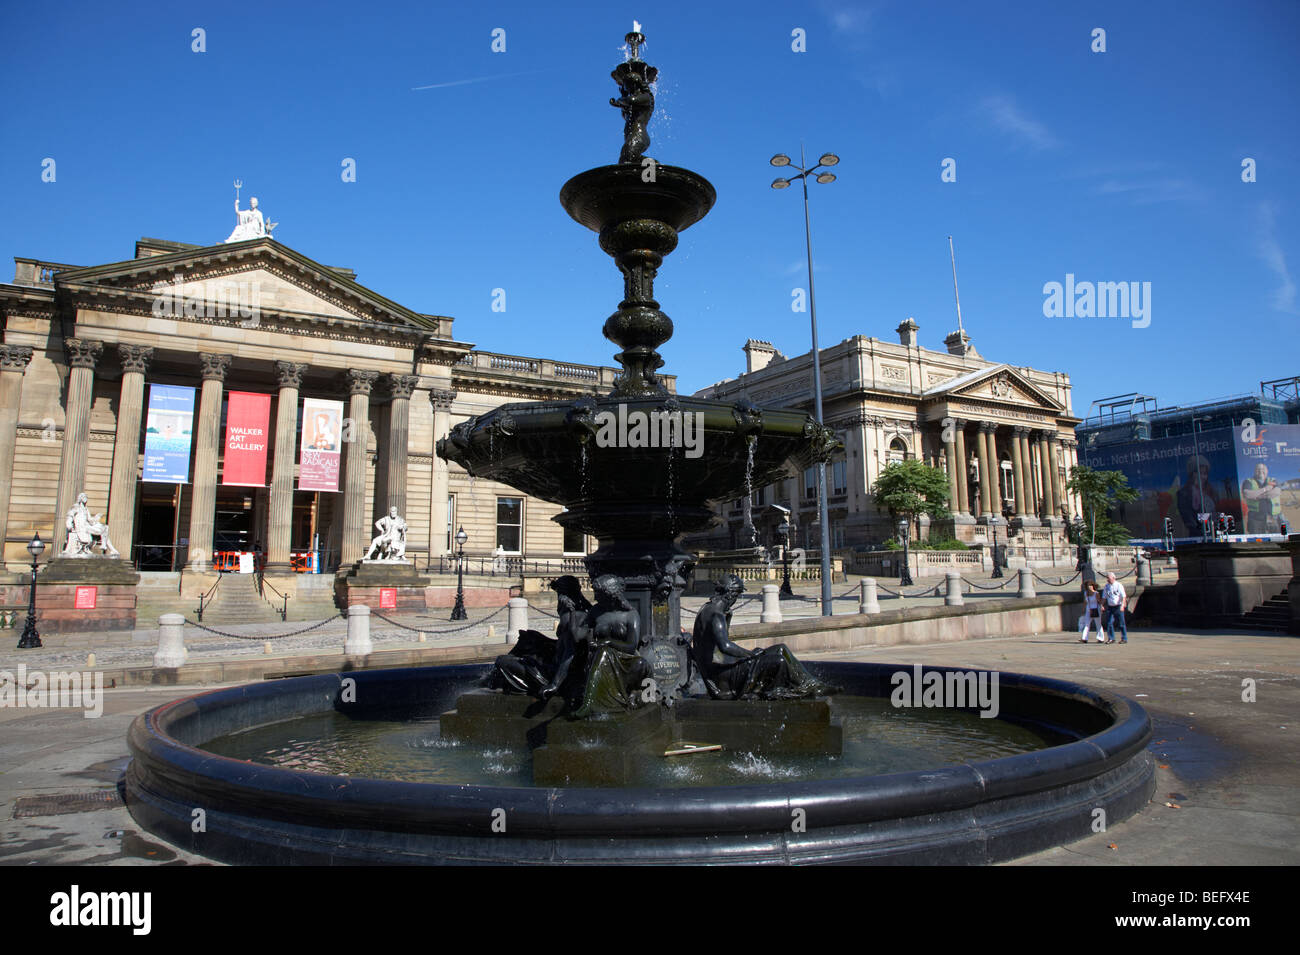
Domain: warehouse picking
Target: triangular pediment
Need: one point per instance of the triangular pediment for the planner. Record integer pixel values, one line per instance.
(1000, 383)
(280, 280)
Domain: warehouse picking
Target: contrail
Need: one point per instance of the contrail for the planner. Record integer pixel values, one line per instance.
(478, 79)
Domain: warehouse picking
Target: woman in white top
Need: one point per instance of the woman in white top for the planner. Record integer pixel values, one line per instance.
(1091, 612)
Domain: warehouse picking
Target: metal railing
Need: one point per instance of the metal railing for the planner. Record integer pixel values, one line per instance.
(206, 598)
(262, 582)
(506, 566)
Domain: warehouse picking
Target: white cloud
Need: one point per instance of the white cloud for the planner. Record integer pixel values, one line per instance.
(1284, 296)
(1006, 116)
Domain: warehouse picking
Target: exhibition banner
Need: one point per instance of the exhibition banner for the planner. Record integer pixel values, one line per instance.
(1177, 478)
(318, 462)
(1268, 466)
(248, 423)
(167, 434)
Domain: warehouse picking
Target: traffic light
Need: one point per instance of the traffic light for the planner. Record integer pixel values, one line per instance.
(1232, 524)
(1169, 527)
(1223, 524)
(1282, 525)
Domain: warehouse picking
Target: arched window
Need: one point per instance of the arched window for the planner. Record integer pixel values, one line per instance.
(897, 451)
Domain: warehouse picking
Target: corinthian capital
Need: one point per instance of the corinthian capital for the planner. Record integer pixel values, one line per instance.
(215, 366)
(83, 353)
(135, 357)
(15, 357)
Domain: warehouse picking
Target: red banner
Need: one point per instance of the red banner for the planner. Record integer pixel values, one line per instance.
(248, 418)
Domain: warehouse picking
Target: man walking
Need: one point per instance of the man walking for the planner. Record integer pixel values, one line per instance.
(1115, 602)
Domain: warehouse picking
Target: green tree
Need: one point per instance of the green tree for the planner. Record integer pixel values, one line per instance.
(1100, 491)
(912, 488)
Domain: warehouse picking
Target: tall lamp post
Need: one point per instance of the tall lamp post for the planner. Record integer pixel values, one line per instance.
(30, 639)
(785, 560)
(994, 521)
(1206, 526)
(905, 572)
(827, 159)
(458, 611)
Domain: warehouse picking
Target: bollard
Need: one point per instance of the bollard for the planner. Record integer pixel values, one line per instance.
(516, 618)
(771, 604)
(1143, 572)
(1026, 583)
(868, 602)
(953, 597)
(358, 642)
(171, 652)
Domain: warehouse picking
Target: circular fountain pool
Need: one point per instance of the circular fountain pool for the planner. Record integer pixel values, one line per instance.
(374, 783)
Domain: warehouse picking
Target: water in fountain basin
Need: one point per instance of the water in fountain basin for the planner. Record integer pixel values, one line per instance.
(877, 739)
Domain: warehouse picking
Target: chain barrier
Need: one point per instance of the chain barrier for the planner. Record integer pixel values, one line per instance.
(1057, 583)
(1002, 586)
(467, 626)
(1129, 574)
(265, 636)
(932, 589)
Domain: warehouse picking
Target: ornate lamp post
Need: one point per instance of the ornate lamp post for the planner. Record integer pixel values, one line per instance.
(994, 521)
(30, 639)
(905, 572)
(458, 611)
(827, 159)
(785, 560)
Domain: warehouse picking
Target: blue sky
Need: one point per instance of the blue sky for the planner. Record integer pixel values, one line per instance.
(1117, 166)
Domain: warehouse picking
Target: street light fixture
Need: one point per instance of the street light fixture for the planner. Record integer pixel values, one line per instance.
(997, 563)
(827, 159)
(905, 572)
(458, 611)
(784, 529)
(30, 639)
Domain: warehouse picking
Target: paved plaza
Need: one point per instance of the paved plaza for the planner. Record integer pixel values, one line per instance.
(1226, 777)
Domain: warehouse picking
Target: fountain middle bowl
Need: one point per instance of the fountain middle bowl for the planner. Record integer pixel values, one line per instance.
(619, 462)
(975, 812)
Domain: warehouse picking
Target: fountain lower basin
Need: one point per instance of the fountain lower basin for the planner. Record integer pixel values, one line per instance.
(976, 812)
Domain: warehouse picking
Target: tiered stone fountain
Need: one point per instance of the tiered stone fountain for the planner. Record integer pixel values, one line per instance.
(209, 752)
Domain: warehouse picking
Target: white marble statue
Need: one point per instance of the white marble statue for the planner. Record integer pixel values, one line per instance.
(390, 544)
(251, 224)
(85, 531)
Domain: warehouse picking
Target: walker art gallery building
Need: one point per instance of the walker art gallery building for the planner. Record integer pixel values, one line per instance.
(237, 398)
(215, 402)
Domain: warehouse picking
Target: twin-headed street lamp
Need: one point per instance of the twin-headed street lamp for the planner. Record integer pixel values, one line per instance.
(827, 159)
(458, 611)
(30, 639)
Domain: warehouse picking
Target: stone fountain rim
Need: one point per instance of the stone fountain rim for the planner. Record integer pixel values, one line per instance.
(167, 777)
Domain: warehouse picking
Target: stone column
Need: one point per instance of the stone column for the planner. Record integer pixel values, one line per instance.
(355, 526)
(1057, 499)
(441, 401)
(1047, 464)
(954, 471)
(279, 522)
(1018, 471)
(988, 476)
(126, 447)
(13, 364)
(963, 480)
(1031, 491)
(207, 439)
(399, 431)
(83, 355)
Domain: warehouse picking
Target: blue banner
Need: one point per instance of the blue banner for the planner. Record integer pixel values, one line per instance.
(1268, 467)
(167, 434)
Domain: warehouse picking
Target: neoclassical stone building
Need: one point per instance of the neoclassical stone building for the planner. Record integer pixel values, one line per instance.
(82, 346)
(1004, 435)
